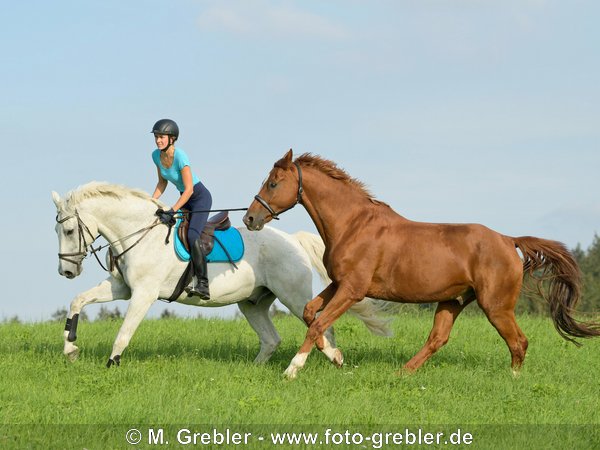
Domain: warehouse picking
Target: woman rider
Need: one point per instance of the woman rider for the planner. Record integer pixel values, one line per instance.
(173, 165)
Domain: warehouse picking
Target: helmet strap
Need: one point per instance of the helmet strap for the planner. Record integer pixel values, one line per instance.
(171, 142)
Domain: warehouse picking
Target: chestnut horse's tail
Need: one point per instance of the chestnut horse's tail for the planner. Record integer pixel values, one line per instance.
(555, 264)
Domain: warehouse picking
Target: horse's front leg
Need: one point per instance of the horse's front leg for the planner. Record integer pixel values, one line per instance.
(341, 301)
(141, 300)
(107, 291)
(317, 304)
(326, 342)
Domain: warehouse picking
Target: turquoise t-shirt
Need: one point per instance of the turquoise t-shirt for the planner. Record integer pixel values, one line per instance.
(173, 173)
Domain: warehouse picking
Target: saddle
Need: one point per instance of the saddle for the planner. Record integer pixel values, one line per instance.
(218, 222)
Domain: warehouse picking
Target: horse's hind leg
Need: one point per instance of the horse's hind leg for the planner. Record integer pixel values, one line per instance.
(505, 323)
(502, 316)
(107, 291)
(258, 318)
(445, 316)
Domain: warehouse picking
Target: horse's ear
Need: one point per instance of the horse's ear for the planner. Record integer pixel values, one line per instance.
(285, 162)
(289, 156)
(56, 199)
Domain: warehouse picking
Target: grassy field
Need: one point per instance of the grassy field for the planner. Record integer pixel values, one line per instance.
(198, 374)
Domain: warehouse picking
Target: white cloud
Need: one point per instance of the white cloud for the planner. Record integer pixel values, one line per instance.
(268, 19)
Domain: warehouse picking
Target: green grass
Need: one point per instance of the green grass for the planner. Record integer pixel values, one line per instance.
(183, 372)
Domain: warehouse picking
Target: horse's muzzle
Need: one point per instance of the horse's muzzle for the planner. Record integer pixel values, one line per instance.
(70, 273)
(253, 222)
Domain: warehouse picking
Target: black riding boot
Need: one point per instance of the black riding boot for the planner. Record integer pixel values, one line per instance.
(200, 270)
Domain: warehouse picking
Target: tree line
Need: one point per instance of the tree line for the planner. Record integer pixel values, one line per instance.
(589, 262)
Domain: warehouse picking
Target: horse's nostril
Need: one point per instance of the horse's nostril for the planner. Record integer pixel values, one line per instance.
(69, 274)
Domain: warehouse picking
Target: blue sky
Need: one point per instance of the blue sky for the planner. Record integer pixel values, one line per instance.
(450, 111)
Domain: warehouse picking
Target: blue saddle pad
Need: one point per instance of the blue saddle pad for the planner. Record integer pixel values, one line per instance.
(231, 239)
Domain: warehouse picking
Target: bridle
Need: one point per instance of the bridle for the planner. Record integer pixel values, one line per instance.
(275, 215)
(83, 246)
(82, 228)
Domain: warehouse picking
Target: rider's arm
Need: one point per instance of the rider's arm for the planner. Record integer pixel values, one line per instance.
(188, 183)
(161, 185)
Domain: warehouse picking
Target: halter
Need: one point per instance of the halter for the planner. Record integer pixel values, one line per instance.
(275, 215)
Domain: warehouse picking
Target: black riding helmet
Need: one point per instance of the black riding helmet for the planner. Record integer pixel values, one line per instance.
(166, 126)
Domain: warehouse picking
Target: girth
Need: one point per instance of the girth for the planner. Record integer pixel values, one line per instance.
(219, 222)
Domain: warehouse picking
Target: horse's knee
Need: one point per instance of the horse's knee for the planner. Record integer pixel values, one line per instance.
(314, 333)
(77, 303)
(309, 315)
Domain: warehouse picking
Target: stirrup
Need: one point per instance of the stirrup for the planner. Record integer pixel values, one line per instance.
(198, 290)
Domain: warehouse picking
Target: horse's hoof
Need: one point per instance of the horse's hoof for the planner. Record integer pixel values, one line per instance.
(291, 373)
(338, 358)
(405, 371)
(114, 361)
(73, 356)
(71, 352)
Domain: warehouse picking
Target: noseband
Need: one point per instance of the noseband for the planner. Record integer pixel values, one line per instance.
(275, 215)
(82, 228)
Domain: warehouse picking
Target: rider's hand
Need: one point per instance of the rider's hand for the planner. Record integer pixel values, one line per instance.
(166, 217)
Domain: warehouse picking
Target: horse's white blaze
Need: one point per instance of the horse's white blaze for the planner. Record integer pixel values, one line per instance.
(275, 264)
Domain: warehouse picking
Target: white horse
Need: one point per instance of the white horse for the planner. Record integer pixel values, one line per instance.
(275, 265)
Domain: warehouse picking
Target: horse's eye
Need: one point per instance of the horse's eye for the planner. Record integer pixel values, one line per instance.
(272, 184)
(69, 232)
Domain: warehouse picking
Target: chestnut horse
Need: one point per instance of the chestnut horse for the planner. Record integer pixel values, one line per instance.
(373, 251)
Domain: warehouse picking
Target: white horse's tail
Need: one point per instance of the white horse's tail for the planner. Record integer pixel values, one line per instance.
(367, 310)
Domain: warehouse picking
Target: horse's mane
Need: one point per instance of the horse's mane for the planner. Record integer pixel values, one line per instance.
(95, 189)
(331, 169)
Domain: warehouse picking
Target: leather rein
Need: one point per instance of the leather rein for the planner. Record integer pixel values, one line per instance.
(275, 215)
(78, 257)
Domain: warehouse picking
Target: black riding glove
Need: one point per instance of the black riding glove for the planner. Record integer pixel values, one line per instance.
(166, 217)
